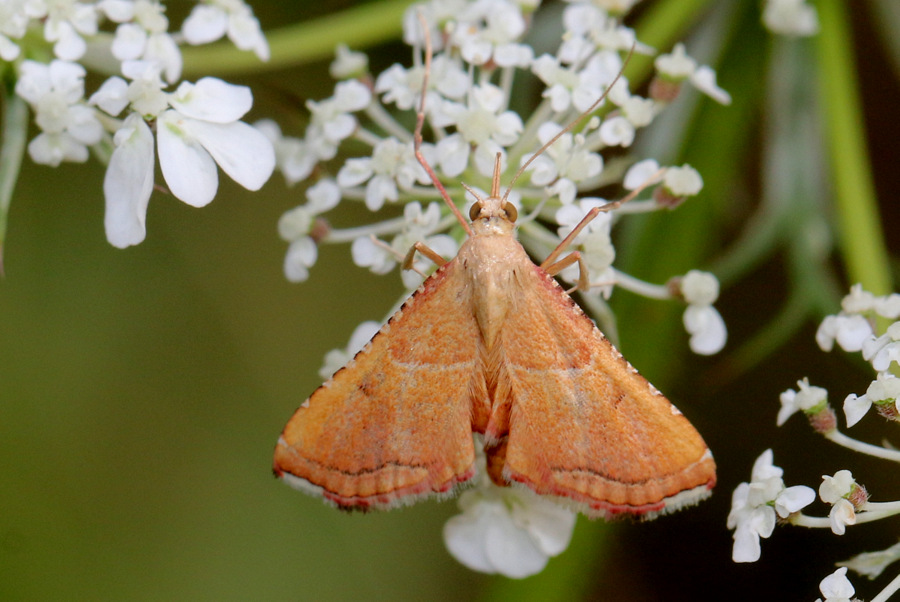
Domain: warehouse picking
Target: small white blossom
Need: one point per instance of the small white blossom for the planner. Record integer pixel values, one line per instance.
(754, 507)
(348, 64)
(481, 122)
(642, 173)
(791, 17)
(835, 490)
(507, 530)
(213, 19)
(338, 358)
(595, 244)
(567, 86)
(806, 399)
(850, 332)
(701, 320)
(293, 156)
(487, 30)
(295, 225)
(332, 119)
(678, 66)
(403, 86)
(885, 389)
(392, 166)
(884, 350)
(836, 587)
(55, 93)
(563, 164)
(682, 181)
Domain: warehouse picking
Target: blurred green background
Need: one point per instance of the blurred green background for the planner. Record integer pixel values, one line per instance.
(142, 391)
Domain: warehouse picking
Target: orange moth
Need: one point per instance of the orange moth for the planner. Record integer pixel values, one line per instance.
(491, 344)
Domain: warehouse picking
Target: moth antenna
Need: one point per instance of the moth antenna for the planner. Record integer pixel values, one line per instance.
(495, 181)
(571, 125)
(420, 122)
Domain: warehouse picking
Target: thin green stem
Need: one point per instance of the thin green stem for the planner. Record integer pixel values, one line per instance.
(12, 146)
(860, 235)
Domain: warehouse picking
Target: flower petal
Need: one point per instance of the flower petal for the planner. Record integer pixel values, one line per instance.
(128, 184)
(241, 150)
(189, 170)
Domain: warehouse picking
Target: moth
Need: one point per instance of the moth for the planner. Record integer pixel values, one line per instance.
(490, 343)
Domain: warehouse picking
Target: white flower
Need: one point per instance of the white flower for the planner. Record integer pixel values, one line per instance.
(338, 358)
(885, 389)
(617, 131)
(348, 64)
(15, 15)
(403, 86)
(808, 398)
(701, 320)
(295, 225)
(393, 165)
(790, 17)
(146, 38)
(594, 241)
(850, 332)
(55, 92)
(507, 530)
(755, 505)
(682, 181)
(580, 88)
(563, 164)
(835, 490)
(481, 122)
(216, 18)
(198, 132)
(293, 156)
(642, 173)
(678, 66)
(836, 587)
(884, 350)
(332, 121)
(487, 30)
(65, 24)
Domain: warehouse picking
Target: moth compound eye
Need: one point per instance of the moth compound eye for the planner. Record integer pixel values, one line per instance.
(475, 211)
(511, 212)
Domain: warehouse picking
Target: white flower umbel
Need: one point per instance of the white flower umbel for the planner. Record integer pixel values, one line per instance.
(507, 530)
(297, 225)
(835, 491)
(755, 505)
(678, 66)
(884, 350)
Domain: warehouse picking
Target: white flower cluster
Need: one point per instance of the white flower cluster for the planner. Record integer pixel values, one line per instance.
(756, 504)
(468, 119)
(197, 125)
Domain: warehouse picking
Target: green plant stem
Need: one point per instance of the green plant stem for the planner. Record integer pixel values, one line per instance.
(304, 42)
(12, 147)
(861, 239)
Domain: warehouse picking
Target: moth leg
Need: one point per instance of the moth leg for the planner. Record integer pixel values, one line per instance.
(583, 275)
(425, 250)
